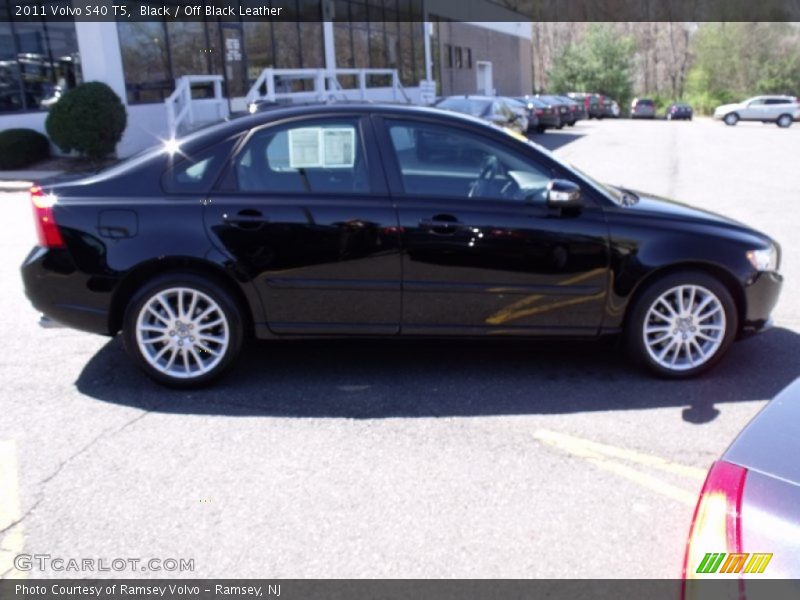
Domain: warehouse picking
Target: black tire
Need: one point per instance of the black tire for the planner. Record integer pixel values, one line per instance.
(635, 327)
(731, 119)
(784, 121)
(231, 315)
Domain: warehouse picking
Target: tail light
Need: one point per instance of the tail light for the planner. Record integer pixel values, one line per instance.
(539, 112)
(716, 529)
(46, 228)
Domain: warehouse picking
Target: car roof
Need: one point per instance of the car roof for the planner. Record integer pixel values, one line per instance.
(769, 444)
(276, 113)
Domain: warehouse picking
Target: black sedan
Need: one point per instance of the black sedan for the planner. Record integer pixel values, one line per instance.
(371, 220)
(547, 117)
(679, 111)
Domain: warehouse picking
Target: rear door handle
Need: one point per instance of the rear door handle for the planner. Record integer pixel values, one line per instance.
(442, 224)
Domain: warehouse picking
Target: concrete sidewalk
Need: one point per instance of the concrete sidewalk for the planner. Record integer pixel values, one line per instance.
(14, 181)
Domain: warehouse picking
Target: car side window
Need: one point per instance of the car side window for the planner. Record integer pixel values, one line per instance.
(440, 161)
(193, 172)
(320, 156)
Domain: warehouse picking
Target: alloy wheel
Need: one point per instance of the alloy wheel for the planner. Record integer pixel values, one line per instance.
(182, 332)
(684, 327)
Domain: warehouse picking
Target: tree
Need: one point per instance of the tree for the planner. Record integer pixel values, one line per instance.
(735, 60)
(89, 118)
(602, 62)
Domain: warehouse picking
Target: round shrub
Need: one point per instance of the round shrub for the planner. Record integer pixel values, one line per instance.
(89, 119)
(22, 147)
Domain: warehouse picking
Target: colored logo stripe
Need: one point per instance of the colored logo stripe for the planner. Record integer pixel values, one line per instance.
(734, 563)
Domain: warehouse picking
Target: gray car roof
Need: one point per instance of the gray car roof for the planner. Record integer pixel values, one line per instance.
(770, 443)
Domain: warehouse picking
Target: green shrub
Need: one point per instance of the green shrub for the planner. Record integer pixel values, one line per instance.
(22, 147)
(89, 119)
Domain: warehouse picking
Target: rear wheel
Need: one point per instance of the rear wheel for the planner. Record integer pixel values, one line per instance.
(183, 330)
(784, 121)
(682, 324)
(731, 119)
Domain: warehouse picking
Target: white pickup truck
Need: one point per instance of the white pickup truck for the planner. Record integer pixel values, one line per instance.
(781, 110)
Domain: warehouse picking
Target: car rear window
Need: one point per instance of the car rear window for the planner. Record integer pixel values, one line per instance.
(644, 102)
(471, 107)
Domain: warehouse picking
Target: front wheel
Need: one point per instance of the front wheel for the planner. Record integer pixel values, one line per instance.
(682, 325)
(731, 119)
(183, 330)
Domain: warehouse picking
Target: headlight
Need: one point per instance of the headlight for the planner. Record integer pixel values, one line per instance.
(765, 259)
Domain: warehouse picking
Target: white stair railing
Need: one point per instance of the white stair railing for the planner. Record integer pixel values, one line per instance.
(325, 85)
(180, 104)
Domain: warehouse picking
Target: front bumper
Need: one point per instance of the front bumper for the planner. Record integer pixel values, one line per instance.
(62, 293)
(761, 295)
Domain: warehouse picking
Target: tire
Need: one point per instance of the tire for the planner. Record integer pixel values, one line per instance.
(675, 344)
(166, 346)
(731, 119)
(784, 121)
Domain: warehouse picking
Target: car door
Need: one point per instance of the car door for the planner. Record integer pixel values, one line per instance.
(755, 110)
(303, 212)
(482, 252)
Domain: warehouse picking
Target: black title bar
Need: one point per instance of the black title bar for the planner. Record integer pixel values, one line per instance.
(402, 10)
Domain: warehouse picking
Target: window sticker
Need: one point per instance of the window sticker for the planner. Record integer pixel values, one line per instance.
(317, 147)
(339, 147)
(305, 148)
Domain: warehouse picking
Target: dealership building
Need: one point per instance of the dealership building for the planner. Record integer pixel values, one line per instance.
(177, 75)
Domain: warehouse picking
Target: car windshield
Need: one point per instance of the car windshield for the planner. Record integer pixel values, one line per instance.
(464, 105)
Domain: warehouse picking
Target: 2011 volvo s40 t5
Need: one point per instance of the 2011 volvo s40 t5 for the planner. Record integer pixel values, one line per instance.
(369, 220)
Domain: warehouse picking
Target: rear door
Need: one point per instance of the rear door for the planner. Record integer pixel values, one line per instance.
(303, 212)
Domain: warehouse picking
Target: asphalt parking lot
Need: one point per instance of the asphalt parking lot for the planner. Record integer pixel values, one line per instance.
(399, 459)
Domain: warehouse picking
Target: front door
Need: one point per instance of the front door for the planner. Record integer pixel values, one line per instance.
(305, 214)
(483, 253)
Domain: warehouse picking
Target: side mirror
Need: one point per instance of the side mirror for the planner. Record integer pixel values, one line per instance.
(563, 194)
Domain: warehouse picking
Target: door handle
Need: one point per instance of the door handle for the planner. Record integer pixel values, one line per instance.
(248, 218)
(442, 224)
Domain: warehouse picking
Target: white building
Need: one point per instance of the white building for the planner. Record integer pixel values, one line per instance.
(174, 75)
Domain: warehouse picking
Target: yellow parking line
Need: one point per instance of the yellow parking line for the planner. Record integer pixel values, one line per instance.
(577, 445)
(601, 456)
(13, 541)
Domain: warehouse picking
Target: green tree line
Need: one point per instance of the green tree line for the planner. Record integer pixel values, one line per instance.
(726, 62)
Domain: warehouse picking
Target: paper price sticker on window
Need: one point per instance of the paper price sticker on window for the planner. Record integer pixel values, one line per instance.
(317, 147)
(339, 147)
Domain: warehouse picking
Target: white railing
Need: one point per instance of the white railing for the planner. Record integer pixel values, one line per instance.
(326, 85)
(181, 106)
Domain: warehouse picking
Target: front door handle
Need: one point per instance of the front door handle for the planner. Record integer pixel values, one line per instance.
(248, 218)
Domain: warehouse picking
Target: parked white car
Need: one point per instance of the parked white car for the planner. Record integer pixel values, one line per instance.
(781, 110)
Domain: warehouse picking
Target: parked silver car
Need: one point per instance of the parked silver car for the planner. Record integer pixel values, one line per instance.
(747, 520)
(781, 110)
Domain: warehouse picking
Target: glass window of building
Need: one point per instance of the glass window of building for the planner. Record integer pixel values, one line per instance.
(38, 62)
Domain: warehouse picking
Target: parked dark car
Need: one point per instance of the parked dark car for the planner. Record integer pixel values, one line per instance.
(383, 220)
(548, 116)
(643, 108)
(576, 110)
(679, 110)
(746, 522)
(592, 103)
(558, 105)
(489, 108)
